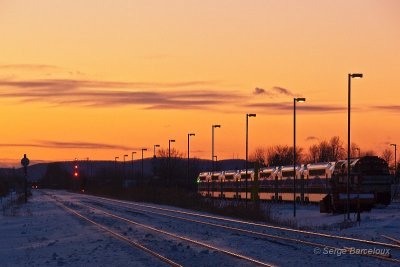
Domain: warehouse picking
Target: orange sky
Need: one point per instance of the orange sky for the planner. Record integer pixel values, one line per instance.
(99, 78)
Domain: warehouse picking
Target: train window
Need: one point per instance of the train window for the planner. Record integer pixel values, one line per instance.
(202, 178)
(214, 177)
(319, 172)
(229, 177)
(287, 174)
(243, 176)
(265, 175)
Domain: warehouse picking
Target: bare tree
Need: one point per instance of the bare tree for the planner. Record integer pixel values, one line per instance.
(283, 155)
(313, 154)
(387, 155)
(337, 149)
(259, 155)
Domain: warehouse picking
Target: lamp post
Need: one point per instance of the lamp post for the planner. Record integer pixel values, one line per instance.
(124, 166)
(115, 165)
(395, 162)
(169, 159)
(298, 99)
(154, 154)
(212, 144)
(133, 173)
(188, 158)
(350, 76)
(143, 149)
(247, 148)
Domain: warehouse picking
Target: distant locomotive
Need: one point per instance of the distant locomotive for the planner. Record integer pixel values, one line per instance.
(324, 183)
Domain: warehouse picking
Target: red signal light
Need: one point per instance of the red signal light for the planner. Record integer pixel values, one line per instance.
(76, 166)
(75, 174)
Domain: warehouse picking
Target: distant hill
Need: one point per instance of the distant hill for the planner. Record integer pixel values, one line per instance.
(37, 171)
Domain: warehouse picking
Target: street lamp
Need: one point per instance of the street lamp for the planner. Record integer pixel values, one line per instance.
(143, 149)
(169, 158)
(124, 166)
(154, 154)
(350, 76)
(115, 165)
(188, 157)
(298, 99)
(395, 152)
(247, 146)
(212, 144)
(133, 173)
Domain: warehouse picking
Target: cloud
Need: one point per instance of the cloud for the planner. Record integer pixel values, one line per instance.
(311, 138)
(284, 107)
(111, 93)
(259, 91)
(69, 145)
(29, 67)
(282, 91)
(389, 108)
(273, 92)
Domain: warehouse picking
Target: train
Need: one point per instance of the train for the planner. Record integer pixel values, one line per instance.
(324, 183)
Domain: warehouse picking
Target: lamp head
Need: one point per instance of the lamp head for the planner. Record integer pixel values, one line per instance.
(192, 134)
(156, 145)
(251, 115)
(217, 126)
(172, 140)
(356, 75)
(144, 149)
(393, 144)
(300, 99)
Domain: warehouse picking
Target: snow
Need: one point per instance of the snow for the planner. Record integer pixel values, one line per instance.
(41, 233)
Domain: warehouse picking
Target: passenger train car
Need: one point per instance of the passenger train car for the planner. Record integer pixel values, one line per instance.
(324, 183)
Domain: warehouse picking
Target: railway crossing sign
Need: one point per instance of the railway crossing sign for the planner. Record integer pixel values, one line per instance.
(25, 161)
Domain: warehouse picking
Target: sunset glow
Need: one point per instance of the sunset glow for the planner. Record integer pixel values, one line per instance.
(100, 79)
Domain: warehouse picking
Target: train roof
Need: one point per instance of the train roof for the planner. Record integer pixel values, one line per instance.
(319, 165)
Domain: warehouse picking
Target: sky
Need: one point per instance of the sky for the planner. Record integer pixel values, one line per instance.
(98, 79)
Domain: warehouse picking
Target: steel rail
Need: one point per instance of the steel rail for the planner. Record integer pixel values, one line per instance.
(294, 240)
(118, 236)
(230, 253)
(259, 224)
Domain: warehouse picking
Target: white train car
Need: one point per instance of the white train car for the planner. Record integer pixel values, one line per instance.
(316, 182)
(285, 182)
(268, 183)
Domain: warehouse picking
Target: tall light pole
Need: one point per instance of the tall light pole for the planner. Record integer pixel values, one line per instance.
(395, 162)
(188, 158)
(212, 144)
(247, 147)
(350, 76)
(298, 99)
(133, 173)
(124, 166)
(169, 159)
(115, 165)
(154, 154)
(143, 149)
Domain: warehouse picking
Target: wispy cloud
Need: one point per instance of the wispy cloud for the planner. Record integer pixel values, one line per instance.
(311, 138)
(389, 108)
(284, 107)
(258, 91)
(178, 95)
(273, 92)
(68, 145)
(29, 67)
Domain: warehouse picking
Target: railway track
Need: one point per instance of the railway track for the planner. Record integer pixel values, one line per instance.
(266, 226)
(151, 252)
(300, 241)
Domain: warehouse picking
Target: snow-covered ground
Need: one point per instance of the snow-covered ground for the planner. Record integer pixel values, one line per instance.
(43, 234)
(375, 223)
